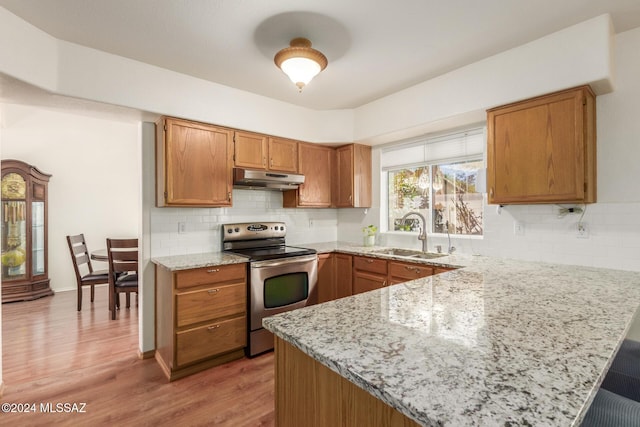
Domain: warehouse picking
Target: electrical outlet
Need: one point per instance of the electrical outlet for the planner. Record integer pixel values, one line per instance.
(182, 227)
(582, 230)
(518, 228)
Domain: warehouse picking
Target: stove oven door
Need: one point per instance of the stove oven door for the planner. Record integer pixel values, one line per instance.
(281, 285)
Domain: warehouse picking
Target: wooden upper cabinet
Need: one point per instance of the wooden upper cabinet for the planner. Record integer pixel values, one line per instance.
(250, 150)
(283, 155)
(193, 164)
(352, 187)
(315, 163)
(256, 151)
(543, 150)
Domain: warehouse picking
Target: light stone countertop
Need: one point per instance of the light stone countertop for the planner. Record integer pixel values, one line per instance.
(499, 342)
(209, 259)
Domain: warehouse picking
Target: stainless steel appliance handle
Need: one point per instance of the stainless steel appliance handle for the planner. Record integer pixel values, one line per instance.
(283, 261)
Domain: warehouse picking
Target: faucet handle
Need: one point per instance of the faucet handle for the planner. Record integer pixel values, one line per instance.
(452, 249)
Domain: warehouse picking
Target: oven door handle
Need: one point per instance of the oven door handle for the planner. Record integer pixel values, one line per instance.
(283, 261)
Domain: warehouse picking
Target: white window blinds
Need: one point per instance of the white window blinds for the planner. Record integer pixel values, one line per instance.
(430, 150)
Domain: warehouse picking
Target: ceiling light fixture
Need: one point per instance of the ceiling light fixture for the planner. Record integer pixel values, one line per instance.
(300, 61)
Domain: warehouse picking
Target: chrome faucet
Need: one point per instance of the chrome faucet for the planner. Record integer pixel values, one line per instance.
(451, 248)
(423, 232)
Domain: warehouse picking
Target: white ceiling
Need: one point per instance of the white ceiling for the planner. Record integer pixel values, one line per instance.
(373, 48)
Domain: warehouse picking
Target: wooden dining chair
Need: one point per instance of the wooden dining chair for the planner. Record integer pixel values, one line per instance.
(123, 271)
(85, 274)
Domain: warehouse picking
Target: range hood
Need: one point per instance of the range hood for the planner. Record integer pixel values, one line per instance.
(265, 180)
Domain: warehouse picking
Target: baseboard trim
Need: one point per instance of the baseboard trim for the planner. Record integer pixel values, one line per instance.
(149, 354)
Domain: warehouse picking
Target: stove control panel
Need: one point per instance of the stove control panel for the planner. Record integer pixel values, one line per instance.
(253, 230)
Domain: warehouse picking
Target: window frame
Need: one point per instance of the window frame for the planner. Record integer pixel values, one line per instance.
(479, 156)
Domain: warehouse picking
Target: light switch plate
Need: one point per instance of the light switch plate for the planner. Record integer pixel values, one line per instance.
(518, 228)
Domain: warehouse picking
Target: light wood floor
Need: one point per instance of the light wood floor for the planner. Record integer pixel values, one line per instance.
(53, 354)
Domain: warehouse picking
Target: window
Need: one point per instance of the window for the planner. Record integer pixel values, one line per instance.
(439, 179)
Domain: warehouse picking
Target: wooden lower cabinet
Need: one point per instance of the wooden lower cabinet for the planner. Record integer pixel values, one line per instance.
(327, 289)
(310, 394)
(438, 270)
(341, 275)
(403, 271)
(368, 274)
(344, 275)
(201, 318)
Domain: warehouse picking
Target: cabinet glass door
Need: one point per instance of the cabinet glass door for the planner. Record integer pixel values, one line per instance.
(37, 237)
(14, 240)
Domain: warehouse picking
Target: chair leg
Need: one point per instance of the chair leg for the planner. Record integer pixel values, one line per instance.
(79, 298)
(114, 302)
(128, 299)
(93, 289)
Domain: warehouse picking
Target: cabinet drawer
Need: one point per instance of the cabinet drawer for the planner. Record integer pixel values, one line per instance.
(373, 265)
(438, 270)
(409, 271)
(212, 303)
(207, 275)
(210, 340)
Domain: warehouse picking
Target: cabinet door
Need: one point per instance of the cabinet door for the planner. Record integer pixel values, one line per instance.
(353, 174)
(543, 150)
(315, 165)
(364, 282)
(283, 155)
(250, 150)
(197, 165)
(327, 290)
(344, 275)
(344, 177)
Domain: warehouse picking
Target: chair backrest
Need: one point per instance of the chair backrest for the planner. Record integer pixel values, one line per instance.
(123, 256)
(79, 255)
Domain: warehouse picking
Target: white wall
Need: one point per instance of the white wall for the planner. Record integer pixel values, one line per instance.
(613, 222)
(95, 187)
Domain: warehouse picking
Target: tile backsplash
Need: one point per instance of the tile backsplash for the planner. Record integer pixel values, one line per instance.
(202, 226)
(613, 230)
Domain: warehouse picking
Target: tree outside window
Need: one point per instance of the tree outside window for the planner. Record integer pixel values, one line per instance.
(445, 194)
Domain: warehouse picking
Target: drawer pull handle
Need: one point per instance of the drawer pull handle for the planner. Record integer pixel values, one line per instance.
(211, 328)
(370, 261)
(213, 291)
(213, 270)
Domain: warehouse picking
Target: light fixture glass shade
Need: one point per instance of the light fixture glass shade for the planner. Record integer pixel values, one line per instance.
(300, 62)
(300, 70)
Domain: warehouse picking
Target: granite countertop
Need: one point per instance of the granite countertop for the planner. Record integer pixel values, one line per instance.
(453, 260)
(208, 259)
(499, 342)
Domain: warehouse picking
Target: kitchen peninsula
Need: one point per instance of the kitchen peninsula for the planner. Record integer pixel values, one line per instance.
(498, 342)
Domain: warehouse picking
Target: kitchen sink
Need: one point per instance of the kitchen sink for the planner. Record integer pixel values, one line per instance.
(409, 253)
(427, 255)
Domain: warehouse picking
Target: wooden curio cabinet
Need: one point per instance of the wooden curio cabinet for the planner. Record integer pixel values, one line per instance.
(25, 274)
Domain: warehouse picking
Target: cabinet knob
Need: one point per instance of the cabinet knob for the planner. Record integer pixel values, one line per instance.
(264, 161)
(213, 270)
(229, 196)
(212, 327)
(271, 163)
(491, 191)
(213, 291)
